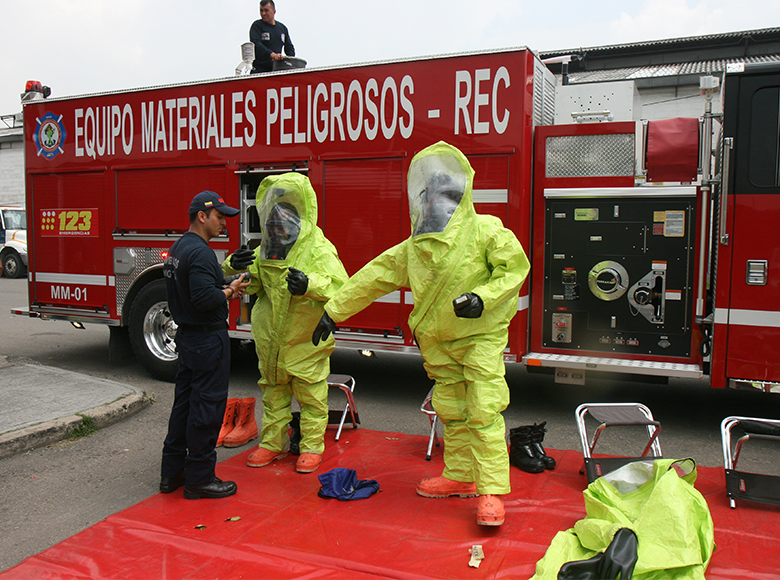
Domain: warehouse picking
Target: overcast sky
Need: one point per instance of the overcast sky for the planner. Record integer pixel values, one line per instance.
(86, 46)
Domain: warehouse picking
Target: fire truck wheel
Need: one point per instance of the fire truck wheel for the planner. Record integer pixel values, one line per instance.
(152, 331)
(12, 265)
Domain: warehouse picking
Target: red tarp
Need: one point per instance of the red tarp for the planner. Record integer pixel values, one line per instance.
(287, 531)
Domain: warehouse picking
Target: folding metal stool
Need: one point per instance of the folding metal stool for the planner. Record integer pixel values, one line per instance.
(346, 384)
(745, 485)
(615, 415)
(427, 408)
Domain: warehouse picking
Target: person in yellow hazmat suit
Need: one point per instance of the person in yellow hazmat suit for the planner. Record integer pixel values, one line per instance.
(294, 271)
(465, 271)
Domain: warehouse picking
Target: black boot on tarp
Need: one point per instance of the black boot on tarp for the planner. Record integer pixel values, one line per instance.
(295, 433)
(521, 451)
(537, 436)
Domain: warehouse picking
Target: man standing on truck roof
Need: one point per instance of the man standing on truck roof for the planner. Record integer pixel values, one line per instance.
(269, 37)
(465, 271)
(198, 304)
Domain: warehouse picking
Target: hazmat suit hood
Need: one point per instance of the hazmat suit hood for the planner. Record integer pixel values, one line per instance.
(287, 208)
(439, 186)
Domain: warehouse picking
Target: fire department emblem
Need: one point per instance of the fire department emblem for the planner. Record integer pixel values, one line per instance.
(49, 136)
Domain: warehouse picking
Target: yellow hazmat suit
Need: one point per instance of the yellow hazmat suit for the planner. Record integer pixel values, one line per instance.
(452, 251)
(281, 322)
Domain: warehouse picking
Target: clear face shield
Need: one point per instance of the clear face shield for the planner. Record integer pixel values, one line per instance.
(281, 224)
(436, 185)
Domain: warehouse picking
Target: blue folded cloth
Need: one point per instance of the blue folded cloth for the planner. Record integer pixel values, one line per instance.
(342, 484)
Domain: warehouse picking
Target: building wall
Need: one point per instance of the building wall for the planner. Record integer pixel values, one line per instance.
(670, 102)
(12, 173)
(629, 101)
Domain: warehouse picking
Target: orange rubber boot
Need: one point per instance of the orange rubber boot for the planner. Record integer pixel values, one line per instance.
(443, 487)
(246, 427)
(229, 422)
(308, 462)
(491, 510)
(261, 457)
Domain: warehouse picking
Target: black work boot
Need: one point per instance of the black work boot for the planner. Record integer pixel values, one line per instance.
(171, 484)
(215, 489)
(537, 436)
(521, 451)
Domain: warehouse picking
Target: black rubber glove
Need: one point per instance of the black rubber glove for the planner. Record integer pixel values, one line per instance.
(324, 328)
(297, 282)
(468, 306)
(618, 560)
(242, 258)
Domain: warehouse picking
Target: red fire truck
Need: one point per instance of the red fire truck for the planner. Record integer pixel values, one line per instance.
(637, 268)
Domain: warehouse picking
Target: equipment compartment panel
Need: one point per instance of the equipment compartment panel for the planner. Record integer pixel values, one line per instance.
(623, 275)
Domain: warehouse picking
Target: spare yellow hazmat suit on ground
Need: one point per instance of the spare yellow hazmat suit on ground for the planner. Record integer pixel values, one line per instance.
(658, 502)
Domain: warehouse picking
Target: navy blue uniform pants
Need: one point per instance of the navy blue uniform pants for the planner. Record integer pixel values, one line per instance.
(198, 406)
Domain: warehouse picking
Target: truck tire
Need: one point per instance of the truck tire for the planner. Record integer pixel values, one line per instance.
(12, 265)
(152, 332)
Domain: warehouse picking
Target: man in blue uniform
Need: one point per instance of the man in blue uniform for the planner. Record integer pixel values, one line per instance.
(269, 37)
(197, 299)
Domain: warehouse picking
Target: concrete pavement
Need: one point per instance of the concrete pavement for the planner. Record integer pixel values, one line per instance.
(41, 404)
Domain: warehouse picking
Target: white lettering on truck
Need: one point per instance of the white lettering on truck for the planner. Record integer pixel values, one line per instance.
(335, 113)
(326, 112)
(190, 123)
(476, 99)
(65, 293)
(100, 127)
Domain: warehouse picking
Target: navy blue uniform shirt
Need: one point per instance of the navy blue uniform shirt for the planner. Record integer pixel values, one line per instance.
(193, 279)
(268, 39)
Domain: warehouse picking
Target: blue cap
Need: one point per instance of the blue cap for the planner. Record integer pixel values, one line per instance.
(206, 200)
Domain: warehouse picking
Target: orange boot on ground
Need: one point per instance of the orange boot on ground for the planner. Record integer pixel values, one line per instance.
(491, 510)
(308, 462)
(246, 427)
(442, 487)
(229, 422)
(261, 457)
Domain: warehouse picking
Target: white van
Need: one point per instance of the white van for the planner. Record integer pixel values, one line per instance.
(13, 241)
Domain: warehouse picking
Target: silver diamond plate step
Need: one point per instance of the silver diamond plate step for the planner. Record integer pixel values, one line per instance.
(590, 363)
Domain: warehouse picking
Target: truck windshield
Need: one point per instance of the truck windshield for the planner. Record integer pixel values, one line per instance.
(15, 219)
